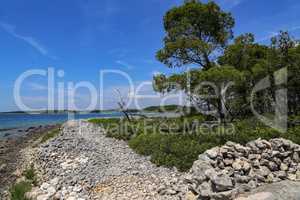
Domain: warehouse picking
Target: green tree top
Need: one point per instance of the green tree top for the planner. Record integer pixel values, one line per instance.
(194, 31)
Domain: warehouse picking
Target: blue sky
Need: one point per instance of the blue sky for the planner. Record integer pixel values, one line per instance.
(82, 37)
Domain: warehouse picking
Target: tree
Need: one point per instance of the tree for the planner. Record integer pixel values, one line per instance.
(250, 59)
(194, 32)
(286, 53)
(214, 88)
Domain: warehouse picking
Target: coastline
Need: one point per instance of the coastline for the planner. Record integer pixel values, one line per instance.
(11, 153)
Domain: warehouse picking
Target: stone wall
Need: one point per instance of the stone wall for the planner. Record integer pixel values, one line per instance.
(227, 171)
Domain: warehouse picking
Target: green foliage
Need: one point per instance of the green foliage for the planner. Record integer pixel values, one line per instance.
(176, 142)
(166, 108)
(194, 31)
(18, 190)
(169, 150)
(30, 175)
(49, 135)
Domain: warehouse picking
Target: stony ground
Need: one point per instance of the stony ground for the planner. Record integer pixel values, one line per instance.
(11, 156)
(82, 163)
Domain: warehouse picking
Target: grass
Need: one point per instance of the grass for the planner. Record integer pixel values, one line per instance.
(18, 190)
(178, 141)
(50, 134)
(30, 175)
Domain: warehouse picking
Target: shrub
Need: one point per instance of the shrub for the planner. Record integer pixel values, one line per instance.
(18, 190)
(169, 150)
(30, 175)
(181, 144)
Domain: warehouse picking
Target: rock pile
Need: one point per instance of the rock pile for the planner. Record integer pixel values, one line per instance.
(82, 163)
(225, 172)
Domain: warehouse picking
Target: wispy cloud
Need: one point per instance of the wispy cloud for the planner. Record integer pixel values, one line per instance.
(11, 29)
(275, 33)
(230, 4)
(125, 64)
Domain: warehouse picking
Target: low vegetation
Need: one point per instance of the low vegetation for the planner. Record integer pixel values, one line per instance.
(165, 108)
(177, 142)
(30, 175)
(50, 134)
(19, 189)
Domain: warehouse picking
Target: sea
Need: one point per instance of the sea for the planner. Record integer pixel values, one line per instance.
(10, 124)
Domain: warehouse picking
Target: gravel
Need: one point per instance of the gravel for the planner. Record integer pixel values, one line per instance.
(82, 163)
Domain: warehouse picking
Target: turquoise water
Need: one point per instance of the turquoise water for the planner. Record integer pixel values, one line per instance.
(16, 121)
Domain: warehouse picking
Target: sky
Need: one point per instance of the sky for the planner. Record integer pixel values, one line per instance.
(80, 38)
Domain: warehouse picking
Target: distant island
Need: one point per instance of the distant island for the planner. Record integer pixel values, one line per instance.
(168, 108)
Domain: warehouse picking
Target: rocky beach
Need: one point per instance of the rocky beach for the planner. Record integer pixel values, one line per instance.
(82, 163)
(11, 156)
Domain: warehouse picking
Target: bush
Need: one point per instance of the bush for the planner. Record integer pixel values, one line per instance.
(176, 142)
(30, 175)
(169, 150)
(17, 191)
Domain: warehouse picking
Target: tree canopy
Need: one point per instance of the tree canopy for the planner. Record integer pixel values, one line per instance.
(194, 31)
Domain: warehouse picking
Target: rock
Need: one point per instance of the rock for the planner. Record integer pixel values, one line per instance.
(270, 178)
(167, 191)
(43, 197)
(222, 183)
(263, 171)
(228, 162)
(260, 196)
(213, 153)
(285, 190)
(71, 198)
(223, 195)
(283, 167)
(260, 144)
(296, 157)
(57, 196)
(236, 165)
(45, 186)
(273, 166)
(82, 159)
(3, 168)
(292, 177)
(205, 190)
(33, 193)
(54, 181)
(209, 173)
(51, 191)
(298, 175)
(242, 179)
(191, 196)
(280, 174)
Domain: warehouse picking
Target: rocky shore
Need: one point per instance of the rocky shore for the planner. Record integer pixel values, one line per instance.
(11, 156)
(81, 163)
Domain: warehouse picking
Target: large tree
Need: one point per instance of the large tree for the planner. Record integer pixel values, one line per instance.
(249, 58)
(194, 33)
(213, 90)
